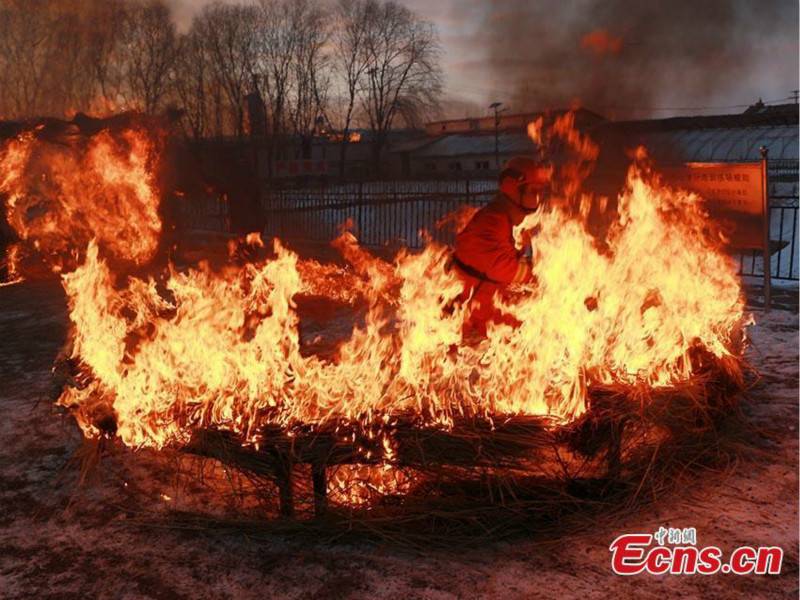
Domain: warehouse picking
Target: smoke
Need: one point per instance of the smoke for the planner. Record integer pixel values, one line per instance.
(625, 58)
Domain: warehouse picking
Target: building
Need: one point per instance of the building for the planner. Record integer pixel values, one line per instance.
(718, 138)
(321, 157)
(475, 147)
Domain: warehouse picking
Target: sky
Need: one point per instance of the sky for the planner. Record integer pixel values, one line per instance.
(621, 58)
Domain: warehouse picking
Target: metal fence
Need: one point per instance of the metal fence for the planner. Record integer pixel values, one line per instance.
(206, 213)
(783, 215)
(394, 213)
(380, 213)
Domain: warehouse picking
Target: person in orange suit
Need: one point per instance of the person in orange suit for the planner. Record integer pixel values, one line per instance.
(485, 256)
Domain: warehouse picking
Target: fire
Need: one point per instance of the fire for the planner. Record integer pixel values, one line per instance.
(200, 348)
(362, 485)
(12, 268)
(59, 196)
(353, 137)
(601, 43)
(223, 349)
(570, 174)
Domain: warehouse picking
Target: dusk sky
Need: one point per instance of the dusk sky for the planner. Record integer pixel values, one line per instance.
(717, 56)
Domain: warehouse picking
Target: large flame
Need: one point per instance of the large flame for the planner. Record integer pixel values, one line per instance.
(223, 349)
(204, 348)
(61, 194)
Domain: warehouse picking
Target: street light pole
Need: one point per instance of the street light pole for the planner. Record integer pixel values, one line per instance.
(496, 106)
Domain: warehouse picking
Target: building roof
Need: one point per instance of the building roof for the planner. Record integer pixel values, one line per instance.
(413, 145)
(720, 138)
(458, 144)
(755, 116)
(724, 145)
(507, 122)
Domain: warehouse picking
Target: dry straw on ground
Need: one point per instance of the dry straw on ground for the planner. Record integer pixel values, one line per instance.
(483, 479)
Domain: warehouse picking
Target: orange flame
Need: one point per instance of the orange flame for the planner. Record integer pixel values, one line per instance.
(12, 260)
(61, 195)
(223, 349)
(601, 43)
(569, 174)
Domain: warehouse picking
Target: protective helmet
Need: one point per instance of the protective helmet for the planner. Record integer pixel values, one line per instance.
(526, 170)
(530, 175)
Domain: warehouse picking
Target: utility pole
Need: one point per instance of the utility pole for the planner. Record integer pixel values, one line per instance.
(495, 106)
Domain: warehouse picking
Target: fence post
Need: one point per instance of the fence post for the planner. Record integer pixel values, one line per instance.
(361, 227)
(765, 209)
(397, 232)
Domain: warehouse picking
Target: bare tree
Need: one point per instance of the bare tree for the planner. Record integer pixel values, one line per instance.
(62, 56)
(277, 50)
(104, 21)
(350, 59)
(309, 64)
(148, 52)
(27, 40)
(67, 80)
(230, 34)
(403, 77)
(292, 72)
(193, 81)
(377, 57)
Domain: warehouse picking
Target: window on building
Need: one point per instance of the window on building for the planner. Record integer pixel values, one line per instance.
(481, 165)
(455, 166)
(430, 166)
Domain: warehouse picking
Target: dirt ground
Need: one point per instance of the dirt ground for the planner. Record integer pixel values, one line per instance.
(114, 537)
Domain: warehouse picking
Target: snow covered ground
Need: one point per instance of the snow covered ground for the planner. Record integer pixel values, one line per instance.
(115, 537)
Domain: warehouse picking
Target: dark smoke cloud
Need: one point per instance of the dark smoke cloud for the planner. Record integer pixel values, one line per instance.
(626, 57)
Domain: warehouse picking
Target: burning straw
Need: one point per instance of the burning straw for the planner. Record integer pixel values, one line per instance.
(626, 346)
(479, 483)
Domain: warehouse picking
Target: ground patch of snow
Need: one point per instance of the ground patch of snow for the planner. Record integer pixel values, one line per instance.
(113, 537)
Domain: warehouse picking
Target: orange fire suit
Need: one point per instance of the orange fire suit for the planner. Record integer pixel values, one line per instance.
(487, 261)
